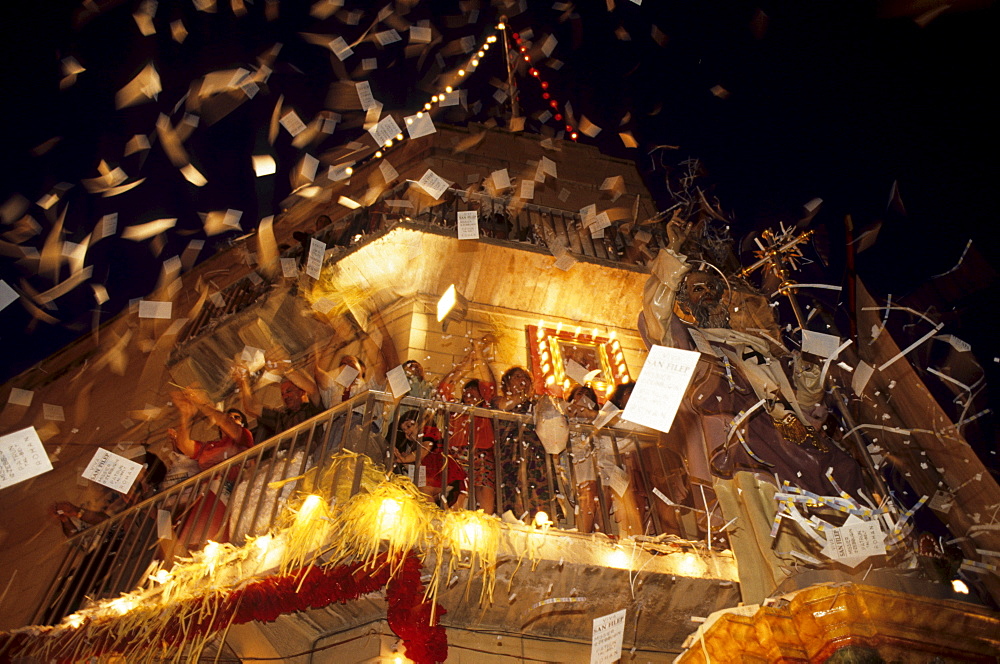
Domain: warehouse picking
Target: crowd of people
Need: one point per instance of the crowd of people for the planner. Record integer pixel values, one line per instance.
(471, 441)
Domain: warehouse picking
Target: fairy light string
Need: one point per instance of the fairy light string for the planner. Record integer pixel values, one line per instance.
(554, 106)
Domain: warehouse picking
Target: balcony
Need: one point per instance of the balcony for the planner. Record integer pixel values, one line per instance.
(340, 456)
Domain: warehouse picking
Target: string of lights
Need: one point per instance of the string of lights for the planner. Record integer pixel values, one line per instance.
(459, 76)
(557, 112)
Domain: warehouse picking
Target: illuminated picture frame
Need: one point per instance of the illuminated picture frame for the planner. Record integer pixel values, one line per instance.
(551, 348)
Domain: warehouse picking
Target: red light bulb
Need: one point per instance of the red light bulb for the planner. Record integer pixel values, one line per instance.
(558, 117)
(545, 95)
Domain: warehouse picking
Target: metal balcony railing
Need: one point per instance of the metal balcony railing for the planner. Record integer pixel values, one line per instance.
(232, 500)
(531, 224)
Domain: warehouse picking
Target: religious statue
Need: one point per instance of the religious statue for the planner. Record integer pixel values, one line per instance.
(752, 417)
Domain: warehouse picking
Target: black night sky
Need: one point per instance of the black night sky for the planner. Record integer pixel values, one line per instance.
(782, 101)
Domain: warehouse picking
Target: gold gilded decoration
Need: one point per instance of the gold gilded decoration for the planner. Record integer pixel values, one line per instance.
(816, 622)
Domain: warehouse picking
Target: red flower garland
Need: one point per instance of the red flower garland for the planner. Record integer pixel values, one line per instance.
(408, 615)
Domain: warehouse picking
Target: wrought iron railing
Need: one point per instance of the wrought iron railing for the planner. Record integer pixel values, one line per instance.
(525, 223)
(233, 500)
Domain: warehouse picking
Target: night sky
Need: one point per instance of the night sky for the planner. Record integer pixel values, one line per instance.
(783, 102)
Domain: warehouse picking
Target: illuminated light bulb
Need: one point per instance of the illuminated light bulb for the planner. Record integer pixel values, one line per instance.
(475, 63)
(545, 95)
(434, 99)
(389, 512)
(388, 143)
(618, 558)
(427, 107)
(309, 507)
(569, 128)
(555, 104)
(573, 135)
(566, 383)
(263, 542)
(491, 39)
(527, 59)
(609, 389)
(399, 137)
(420, 114)
(524, 50)
(576, 332)
(517, 36)
(122, 605)
(486, 47)
(534, 72)
(448, 89)
(593, 333)
(959, 586)
(397, 660)
(378, 154)
(545, 85)
(501, 26)
(409, 121)
(550, 380)
(349, 170)
(690, 564)
(546, 367)
(447, 302)
(211, 551)
(161, 576)
(461, 72)
(471, 534)
(542, 519)
(559, 328)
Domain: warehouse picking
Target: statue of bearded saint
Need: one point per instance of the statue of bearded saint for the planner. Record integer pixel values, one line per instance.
(744, 368)
(751, 417)
(699, 300)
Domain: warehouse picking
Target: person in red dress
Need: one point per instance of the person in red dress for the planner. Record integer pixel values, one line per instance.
(478, 389)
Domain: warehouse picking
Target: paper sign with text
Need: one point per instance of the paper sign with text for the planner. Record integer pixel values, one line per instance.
(433, 184)
(468, 225)
(855, 541)
(386, 130)
(606, 641)
(22, 457)
(111, 470)
(365, 96)
(501, 179)
(419, 125)
(314, 265)
(660, 387)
